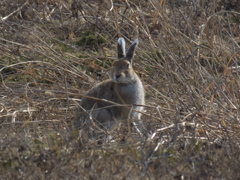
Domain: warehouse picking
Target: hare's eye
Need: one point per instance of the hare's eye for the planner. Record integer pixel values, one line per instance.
(128, 65)
(118, 76)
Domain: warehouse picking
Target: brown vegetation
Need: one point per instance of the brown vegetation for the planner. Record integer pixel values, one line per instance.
(52, 51)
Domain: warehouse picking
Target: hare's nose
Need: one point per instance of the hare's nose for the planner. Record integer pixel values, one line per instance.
(118, 76)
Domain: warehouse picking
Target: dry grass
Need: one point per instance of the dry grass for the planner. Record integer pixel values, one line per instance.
(188, 58)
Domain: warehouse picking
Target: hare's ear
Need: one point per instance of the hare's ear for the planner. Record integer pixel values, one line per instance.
(131, 50)
(121, 48)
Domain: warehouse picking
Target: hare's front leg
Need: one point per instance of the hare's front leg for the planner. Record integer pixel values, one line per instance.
(137, 122)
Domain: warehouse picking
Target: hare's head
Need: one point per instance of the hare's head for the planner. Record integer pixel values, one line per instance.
(122, 71)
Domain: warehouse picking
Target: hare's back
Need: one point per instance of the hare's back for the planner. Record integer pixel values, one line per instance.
(103, 90)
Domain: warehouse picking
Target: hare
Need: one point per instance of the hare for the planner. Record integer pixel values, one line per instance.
(119, 98)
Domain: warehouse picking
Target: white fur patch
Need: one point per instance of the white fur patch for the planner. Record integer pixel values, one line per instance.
(121, 41)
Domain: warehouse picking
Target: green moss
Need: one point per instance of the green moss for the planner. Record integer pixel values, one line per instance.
(8, 70)
(7, 163)
(66, 48)
(82, 55)
(236, 19)
(20, 78)
(91, 39)
(155, 55)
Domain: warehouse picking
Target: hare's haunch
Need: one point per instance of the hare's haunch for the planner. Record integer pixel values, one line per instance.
(118, 98)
